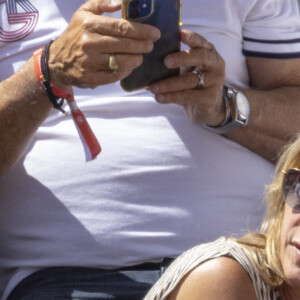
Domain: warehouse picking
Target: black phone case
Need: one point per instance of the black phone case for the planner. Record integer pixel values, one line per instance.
(166, 16)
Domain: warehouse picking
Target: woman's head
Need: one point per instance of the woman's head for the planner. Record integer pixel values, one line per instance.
(268, 248)
(282, 221)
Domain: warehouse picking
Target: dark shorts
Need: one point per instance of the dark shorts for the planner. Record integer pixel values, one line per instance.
(77, 283)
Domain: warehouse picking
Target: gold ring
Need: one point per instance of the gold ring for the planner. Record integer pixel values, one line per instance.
(200, 75)
(112, 65)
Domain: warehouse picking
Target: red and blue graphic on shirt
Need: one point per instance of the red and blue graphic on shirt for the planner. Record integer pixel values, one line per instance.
(21, 20)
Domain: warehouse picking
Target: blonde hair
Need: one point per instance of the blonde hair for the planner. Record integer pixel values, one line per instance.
(264, 247)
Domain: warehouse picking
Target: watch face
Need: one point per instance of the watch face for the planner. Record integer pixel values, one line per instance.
(242, 105)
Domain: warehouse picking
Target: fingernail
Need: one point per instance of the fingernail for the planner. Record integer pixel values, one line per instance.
(154, 89)
(187, 34)
(150, 47)
(169, 61)
(115, 2)
(160, 98)
(155, 34)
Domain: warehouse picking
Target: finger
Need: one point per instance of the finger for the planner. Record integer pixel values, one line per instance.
(120, 27)
(198, 103)
(111, 26)
(99, 74)
(101, 6)
(202, 58)
(102, 78)
(108, 44)
(176, 83)
(201, 97)
(185, 81)
(124, 62)
(98, 78)
(195, 40)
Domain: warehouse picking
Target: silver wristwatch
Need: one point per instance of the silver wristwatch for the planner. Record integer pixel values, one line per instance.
(238, 109)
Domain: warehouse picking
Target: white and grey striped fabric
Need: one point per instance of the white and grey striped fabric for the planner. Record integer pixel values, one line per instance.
(198, 255)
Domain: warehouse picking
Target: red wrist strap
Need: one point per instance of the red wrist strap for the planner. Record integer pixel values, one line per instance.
(90, 143)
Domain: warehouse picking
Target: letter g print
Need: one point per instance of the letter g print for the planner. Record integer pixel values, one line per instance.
(18, 19)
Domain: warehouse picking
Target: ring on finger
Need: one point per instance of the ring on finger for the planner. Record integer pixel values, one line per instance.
(200, 75)
(112, 64)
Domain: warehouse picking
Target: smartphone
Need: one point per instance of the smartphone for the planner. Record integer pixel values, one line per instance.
(166, 16)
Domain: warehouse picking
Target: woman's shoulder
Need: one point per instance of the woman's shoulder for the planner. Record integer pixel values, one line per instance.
(218, 278)
(218, 270)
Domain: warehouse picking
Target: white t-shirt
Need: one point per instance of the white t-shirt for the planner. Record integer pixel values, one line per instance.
(161, 184)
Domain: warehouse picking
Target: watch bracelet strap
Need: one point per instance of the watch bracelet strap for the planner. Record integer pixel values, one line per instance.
(224, 129)
(235, 121)
(227, 111)
(227, 115)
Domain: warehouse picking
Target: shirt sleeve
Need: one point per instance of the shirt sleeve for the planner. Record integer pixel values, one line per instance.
(272, 29)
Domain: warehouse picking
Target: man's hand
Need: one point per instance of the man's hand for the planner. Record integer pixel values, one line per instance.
(202, 105)
(80, 56)
(273, 97)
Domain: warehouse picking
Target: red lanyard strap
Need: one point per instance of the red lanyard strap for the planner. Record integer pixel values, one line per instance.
(57, 96)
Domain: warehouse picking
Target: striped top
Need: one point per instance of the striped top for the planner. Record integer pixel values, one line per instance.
(199, 254)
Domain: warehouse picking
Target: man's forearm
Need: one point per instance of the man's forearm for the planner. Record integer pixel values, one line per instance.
(273, 121)
(23, 107)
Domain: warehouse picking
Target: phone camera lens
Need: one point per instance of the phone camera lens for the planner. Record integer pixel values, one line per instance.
(135, 4)
(134, 13)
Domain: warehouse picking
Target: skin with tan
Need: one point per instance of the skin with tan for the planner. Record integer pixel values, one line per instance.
(220, 278)
(80, 58)
(224, 278)
(274, 99)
